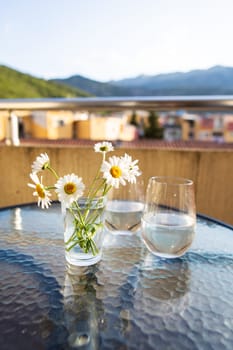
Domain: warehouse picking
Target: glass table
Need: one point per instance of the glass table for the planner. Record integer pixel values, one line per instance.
(130, 300)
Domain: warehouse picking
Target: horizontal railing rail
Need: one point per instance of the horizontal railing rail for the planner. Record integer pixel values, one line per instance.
(159, 103)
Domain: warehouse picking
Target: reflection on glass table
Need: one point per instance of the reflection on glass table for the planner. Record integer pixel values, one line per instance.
(129, 300)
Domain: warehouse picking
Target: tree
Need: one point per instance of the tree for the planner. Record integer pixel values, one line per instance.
(154, 130)
(133, 120)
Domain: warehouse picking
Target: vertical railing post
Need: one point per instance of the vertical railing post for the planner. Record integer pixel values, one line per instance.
(13, 130)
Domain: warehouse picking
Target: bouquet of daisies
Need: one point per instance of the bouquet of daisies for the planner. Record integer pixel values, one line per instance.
(70, 188)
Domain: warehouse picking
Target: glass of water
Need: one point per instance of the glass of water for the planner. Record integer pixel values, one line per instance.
(169, 217)
(124, 208)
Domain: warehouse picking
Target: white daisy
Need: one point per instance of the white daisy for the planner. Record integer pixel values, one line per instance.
(69, 188)
(41, 163)
(104, 147)
(115, 171)
(132, 168)
(40, 192)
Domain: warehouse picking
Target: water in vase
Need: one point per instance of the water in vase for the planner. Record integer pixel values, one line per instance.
(76, 255)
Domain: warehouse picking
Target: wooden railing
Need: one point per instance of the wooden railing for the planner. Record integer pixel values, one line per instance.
(211, 171)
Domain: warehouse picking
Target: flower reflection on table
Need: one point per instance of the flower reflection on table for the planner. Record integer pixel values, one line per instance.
(83, 310)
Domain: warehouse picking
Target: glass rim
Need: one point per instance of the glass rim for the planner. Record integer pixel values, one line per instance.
(171, 180)
(96, 202)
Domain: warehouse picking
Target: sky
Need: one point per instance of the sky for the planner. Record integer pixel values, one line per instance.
(114, 39)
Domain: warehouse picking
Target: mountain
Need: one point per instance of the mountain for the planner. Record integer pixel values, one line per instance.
(93, 87)
(217, 80)
(14, 84)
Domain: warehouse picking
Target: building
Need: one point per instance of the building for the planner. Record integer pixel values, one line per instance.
(3, 125)
(172, 128)
(204, 129)
(52, 125)
(105, 127)
(228, 128)
(188, 124)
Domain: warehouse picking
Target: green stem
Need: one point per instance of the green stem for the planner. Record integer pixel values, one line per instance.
(98, 188)
(53, 171)
(80, 217)
(96, 178)
(94, 215)
(71, 238)
(50, 187)
(72, 246)
(94, 248)
(106, 189)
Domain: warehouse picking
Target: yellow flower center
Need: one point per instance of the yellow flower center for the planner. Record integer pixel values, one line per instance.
(115, 171)
(40, 191)
(70, 188)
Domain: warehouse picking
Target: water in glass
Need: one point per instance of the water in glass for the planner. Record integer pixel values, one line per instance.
(123, 215)
(168, 235)
(169, 217)
(124, 208)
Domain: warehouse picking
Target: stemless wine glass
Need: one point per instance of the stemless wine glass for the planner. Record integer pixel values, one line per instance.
(169, 217)
(124, 208)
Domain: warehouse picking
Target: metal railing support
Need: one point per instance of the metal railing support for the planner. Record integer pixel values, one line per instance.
(13, 130)
(157, 103)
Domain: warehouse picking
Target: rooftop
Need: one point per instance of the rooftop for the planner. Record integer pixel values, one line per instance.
(145, 143)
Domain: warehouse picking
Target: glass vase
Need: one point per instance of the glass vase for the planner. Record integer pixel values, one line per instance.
(84, 234)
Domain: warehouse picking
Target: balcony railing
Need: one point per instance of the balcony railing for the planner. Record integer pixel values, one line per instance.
(210, 169)
(159, 103)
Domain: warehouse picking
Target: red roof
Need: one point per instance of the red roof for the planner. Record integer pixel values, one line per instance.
(207, 123)
(140, 144)
(229, 126)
